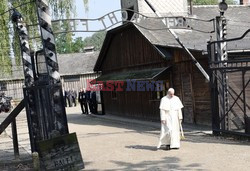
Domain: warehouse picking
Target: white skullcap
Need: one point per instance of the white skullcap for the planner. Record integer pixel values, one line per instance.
(171, 90)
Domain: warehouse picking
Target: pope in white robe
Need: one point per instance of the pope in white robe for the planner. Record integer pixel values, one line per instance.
(171, 118)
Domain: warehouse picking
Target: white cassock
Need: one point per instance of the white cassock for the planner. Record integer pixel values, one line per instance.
(170, 111)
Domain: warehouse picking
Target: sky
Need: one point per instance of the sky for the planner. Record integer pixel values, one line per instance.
(97, 9)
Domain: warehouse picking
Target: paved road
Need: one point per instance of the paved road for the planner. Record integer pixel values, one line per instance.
(114, 143)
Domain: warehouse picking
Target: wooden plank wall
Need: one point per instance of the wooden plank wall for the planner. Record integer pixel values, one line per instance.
(15, 87)
(192, 87)
(130, 50)
(187, 97)
(77, 85)
(132, 104)
(236, 116)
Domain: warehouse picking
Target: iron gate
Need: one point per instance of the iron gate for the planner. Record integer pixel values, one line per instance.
(230, 90)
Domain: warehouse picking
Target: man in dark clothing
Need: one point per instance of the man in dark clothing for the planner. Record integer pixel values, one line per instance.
(70, 97)
(88, 101)
(93, 102)
(74, 96)
(83, 101)
(66, 97)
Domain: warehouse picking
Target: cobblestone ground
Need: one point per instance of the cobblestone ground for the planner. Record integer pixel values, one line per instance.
(114, 143)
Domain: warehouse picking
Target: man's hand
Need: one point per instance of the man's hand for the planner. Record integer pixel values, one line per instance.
(163, 121)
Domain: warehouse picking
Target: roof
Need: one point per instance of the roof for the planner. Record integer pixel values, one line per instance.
(69, 64)
(155, 31)
(146, 74)
(238, 23)
(77, 63)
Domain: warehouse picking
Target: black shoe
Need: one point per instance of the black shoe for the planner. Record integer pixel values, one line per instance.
(167, 147)
(175, 148)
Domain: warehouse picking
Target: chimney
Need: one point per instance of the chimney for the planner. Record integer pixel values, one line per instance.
(244, 2)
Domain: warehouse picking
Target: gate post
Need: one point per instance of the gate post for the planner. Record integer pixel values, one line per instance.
(45, 107)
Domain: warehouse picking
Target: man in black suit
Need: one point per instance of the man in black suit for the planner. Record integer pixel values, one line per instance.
(74, 96)
(88, 101)
(65, 93)
(83, 101)
(93, 102)
(70, 97)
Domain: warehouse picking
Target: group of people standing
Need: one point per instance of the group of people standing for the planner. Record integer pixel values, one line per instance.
(70, 97)
(88, 102)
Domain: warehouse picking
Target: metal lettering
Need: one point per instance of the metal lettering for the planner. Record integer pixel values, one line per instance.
(134, 17)
(102, 20)
(124, 15)
(171, 22)
(85, 24)
(180, 22)
(72, 25)
(111, 17)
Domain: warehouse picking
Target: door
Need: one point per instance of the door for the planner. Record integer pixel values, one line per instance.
(187, 98)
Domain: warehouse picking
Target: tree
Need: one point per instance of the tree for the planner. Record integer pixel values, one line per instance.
(78, 45)
(95, 40)
(5, 61)
(27, 8)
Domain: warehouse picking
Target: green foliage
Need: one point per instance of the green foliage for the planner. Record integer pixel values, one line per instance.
(29, 14)
(95, 40)
(5, 61)
(62, 8)
(27, 8)
(77, 45)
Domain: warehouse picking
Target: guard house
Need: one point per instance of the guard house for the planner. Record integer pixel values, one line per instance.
(148, 52)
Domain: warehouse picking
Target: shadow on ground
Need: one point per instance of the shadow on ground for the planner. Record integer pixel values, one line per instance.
(10, 163)
(193, 136)
(167, 163)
